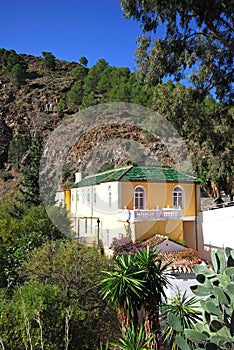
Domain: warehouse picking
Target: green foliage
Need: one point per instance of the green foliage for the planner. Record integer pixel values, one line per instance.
(18, 74)
(33, 318)
(29, 186)
(93, 76)
(217, 288)
(83, 60)
(17, 149)
(205, 125)
(89, 100)
(136, 282)
(6, 175)
(61, 105)
(198, 38)
(79, 72)
(49, 60)
(9, 59)
(19, 237)
(76, 271)
(179, 313)
(132, 339)
(75, 95)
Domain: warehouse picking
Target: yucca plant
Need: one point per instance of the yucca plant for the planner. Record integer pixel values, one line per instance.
(132, 339)
(179, 313)
(122, 287)
(135, 287)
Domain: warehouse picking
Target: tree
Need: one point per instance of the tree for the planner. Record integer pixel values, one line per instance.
(20, 236)
(75, 94)
(83, 60)
(29, 186)
(135, 287)
(199, 38)
(49, 60)
(76, 270)
(205, 125)
(79, 72)
(17, 149)
(34, 318)
(18, 74)
(93, 76)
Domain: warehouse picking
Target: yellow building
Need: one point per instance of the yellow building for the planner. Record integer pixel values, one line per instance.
(137, 202)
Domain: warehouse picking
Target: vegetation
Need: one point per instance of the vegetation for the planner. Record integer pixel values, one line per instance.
(198, 39)
(135, 287)
(51, 285)
(202, 121)
(49, 60)
(216, 287)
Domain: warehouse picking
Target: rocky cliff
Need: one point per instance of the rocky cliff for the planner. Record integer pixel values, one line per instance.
(33, 106)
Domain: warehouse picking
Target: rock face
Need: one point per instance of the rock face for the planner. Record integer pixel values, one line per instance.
(5, 138)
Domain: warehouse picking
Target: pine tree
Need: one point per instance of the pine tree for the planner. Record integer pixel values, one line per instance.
(29, 185)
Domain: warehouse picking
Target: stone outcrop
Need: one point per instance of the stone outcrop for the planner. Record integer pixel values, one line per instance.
(5, 138)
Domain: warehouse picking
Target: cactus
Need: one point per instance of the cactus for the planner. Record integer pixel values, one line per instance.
(216, 286)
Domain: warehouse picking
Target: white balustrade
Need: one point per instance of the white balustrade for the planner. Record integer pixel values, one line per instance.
(149, 215)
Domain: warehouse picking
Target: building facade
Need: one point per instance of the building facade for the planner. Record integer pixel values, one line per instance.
(134, 202)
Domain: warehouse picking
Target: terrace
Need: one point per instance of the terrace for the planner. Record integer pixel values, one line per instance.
(149, 215)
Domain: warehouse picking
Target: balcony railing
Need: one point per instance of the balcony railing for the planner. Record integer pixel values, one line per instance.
(149, 215)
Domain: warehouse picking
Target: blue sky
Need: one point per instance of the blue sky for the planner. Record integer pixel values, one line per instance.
(70, 29)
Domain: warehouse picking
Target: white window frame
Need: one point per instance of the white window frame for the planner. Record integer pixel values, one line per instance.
(139, 198)
(109, 197)
(178, 197)
(95, 196)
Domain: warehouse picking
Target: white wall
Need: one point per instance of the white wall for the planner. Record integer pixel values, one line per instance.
(215, 230)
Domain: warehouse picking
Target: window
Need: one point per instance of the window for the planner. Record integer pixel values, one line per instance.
(88, 196)
(109, 197)
(178, 198)
(94, 195)
(139, 198)
(77, 196)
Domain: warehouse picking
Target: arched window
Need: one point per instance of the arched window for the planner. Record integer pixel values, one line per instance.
(109, 197)
(139, 198)
(178, 197)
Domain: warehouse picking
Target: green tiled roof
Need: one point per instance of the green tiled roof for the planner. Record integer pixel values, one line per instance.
(110, 175)
(156, 174)
(139, 174)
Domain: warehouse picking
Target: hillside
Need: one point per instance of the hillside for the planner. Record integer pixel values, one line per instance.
(49, 91)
